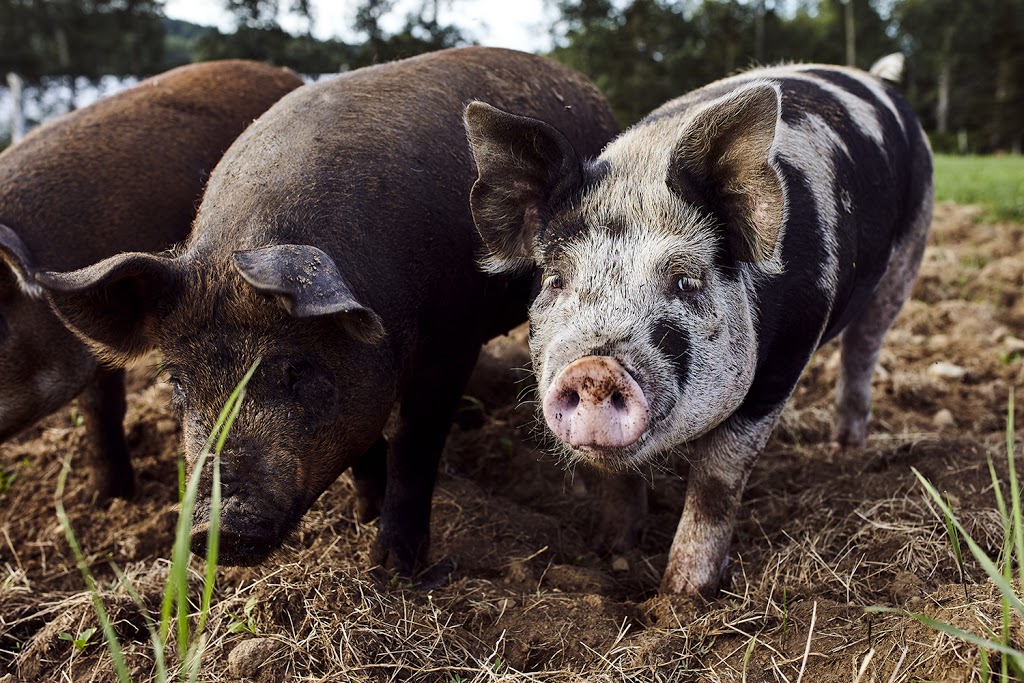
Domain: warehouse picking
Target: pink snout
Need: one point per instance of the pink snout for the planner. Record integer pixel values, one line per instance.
(594, 402)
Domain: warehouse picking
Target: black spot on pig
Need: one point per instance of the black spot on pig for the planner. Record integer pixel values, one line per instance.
(673, 341)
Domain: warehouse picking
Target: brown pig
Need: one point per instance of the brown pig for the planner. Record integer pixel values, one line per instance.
(335, 242)
(124, 174)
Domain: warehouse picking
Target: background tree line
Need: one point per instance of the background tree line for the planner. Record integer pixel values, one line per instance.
(965, 70)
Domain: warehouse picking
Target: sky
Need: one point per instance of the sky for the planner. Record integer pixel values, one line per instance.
(518, 24)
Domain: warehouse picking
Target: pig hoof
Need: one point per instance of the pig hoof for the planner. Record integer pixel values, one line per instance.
(847, 439)
(101, 489)
(367, 508)
(618, 541)
(437, 576)
(399, 558)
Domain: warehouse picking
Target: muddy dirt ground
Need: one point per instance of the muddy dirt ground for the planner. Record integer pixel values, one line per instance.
(821, 535)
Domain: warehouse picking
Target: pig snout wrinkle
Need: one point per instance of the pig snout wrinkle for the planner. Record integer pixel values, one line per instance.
(595, 402)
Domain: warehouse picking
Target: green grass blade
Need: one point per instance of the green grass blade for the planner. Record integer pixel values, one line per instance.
(151, 626)
(1018, 516)
(213, 533)
(113, 645)
(212, 545)
(181, 475)
(176, 594)
(1004, 514)
(953, 631)
(993, 572)
(954, 539)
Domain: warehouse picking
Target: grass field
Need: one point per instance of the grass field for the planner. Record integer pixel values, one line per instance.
(997, 183)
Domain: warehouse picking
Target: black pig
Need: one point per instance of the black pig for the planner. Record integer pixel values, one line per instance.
(335, 242)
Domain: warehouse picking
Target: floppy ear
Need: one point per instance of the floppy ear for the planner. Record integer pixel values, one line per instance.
(725, 162)
(525, 168)
(307, 283)
(16, 268)
(115, 304)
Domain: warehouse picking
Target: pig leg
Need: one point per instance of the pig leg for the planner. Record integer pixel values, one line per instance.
(720, 463)
(370, 476)
(425, 416)
(623, 511)
(103, 407)
(862, 340)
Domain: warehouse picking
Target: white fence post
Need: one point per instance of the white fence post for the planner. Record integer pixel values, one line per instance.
(14, 84)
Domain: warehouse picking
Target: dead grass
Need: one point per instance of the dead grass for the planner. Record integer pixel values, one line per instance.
(822, 535)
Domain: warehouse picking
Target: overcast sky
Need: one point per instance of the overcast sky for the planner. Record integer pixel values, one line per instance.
(519, 24)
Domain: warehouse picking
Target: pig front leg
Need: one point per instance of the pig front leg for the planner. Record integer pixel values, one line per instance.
(425, 417)
(623, 512)
(720, 463)
(369, 474)
(103, 407)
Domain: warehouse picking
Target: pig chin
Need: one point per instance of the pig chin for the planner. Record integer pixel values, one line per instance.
(248, 534)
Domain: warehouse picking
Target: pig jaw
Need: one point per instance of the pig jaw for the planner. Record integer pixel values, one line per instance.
(42, 365)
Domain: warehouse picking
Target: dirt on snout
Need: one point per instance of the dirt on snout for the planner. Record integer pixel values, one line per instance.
(821, 535)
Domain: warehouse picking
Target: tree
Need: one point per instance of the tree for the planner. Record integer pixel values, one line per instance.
(264, 13)
(80, 38)
(422, 32)
(967, 59)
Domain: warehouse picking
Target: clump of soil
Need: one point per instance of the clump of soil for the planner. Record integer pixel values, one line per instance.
(821, 536)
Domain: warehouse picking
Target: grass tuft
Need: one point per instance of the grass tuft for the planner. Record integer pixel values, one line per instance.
(175, 607)
(998, 571)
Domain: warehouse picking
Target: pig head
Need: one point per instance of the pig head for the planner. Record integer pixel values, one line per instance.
(320, 368)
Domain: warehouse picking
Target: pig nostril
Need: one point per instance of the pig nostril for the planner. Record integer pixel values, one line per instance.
(619, 401)
(571, 399)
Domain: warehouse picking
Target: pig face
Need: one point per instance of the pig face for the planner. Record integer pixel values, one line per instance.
(42, 364)
(643, 329)
(317, 400)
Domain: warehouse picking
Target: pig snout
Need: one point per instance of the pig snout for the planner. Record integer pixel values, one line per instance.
(594, 402)
(252, 522)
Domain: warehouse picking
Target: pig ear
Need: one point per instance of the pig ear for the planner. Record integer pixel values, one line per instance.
(307, 283)
(115, 304)
(525, 168)
(16, 265)
(725, 161)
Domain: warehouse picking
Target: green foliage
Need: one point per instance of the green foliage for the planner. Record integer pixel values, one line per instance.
(977, 47)
(81, 641)
(72, 38)
(994, 182)
(646, 52)
(244, 621)
(273, 44)
(7, 480)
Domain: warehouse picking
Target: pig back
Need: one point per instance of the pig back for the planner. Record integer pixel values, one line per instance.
(374, 168)
(126, 173)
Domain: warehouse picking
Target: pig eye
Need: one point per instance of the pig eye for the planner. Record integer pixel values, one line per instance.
(554, 281)
(295, 373)
(177, 393)
(688, 285)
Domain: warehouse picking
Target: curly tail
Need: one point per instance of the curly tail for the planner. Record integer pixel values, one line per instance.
(888, 68)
